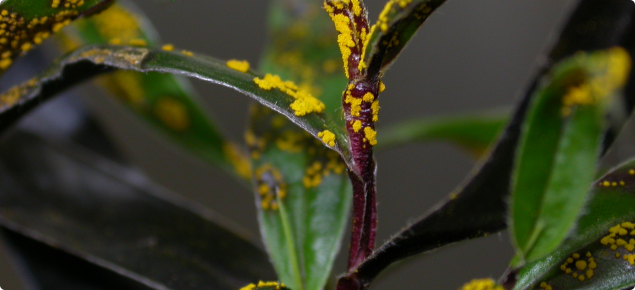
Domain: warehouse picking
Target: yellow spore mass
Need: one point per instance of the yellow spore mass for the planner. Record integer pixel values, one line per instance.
(327, 137)
(241, 163)
(168, 47)
(608, 72)
(371, 135)
(117, 22)
(239, 65)
(304, 102)
(357, 125)
(482, 284)
(172, 113)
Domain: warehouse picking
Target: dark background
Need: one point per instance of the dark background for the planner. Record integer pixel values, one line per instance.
(471, 54)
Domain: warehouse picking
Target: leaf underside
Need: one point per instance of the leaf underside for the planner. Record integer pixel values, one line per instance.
(77, 202)
(90, 61)
(302, 190)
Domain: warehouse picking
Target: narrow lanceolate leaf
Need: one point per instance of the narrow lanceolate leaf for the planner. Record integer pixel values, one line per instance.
(478, 207)
(302, 189)
(284, 97)
(474, 132)
(167, 102)
(46, 268)
(26, 24)
(599, 254)
(83, 204)
(560, 145)
(397, 23)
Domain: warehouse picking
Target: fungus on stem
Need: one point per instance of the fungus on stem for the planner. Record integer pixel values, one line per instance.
(361, 107)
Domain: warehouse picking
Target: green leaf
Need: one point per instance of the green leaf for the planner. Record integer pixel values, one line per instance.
(87, 62)
(560, 145)
(151, 95)
(611, 204)
(474, 132)
(478, 207)
(398, 22)
(83, 204)
(29, 23)
(302, 189)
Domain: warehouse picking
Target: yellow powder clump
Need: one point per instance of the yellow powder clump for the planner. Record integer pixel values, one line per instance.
(327, 137)
(172, 113)
(138, 42)
(609, 72)
(304, 102)
(482, 284)
(238, 160)
(239, 65)
(371, 135)
(168, 47)
(368, 97)
(188, 53)
(357, 125)
(382, 87)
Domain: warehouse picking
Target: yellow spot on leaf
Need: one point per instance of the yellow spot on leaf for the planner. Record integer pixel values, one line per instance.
(168, 47)
(482, 284)
(327, 137)
(172, 113)
(239, 65)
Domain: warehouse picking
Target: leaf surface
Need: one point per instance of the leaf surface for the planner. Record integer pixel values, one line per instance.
(474, 132)
(302, 190)
(610, 207)
(90, 61)
(152, 96)
(28, 23)
(398, 22)
(478, 207)
(82, 204)
(559, 149)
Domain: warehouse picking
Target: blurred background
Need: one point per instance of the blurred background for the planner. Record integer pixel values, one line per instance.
(469, 55)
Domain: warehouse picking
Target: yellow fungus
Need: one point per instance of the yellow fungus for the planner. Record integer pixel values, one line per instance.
(630, 258)
(576, 256)
(382, 87)
(581, 265)
(371, 135)
(304, 102)
(137, 42)
(186, 52)
(631, 172)
(482, 284)
(238, 160)
(239, 65)
(357, 125)
(368, 97)
(545, 286)
(327, 137)
(613, 67)
(168, 47)
(115, 41)
(172, 113)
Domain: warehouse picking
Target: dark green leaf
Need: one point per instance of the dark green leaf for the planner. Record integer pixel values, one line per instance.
(151, 95)
(559, 149)
(397, 23)
(474, 132)
(83, 204)
(478, 208)
(94, 60)
(611, 204)
(27, 23)
(45, 268)
(303, 192)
